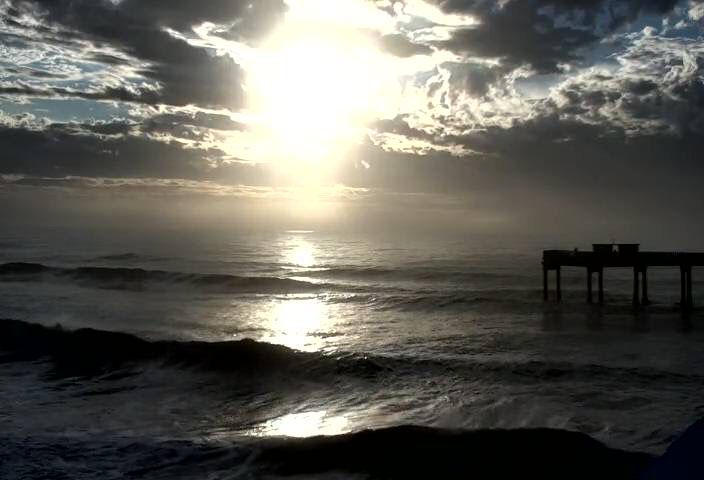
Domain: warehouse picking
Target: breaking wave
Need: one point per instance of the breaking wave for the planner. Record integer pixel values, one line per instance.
(408, 273)
(424, 452)
(402, 452)
(140, 279)
(93, 352)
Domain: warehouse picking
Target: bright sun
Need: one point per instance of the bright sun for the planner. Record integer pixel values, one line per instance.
(313, 89)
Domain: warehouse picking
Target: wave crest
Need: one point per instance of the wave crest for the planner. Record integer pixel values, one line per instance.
(138, 279)
(89, 352)
(425, 452)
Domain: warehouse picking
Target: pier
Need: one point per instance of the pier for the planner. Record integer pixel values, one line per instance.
(624, 255)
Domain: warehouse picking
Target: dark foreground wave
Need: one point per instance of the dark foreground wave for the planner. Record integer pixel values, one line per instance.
(138, 279)
(425, 452)
(127, 256)
(89, 352)
(403, 452)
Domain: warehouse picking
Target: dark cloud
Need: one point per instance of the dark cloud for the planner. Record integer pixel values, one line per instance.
(518, 34)
(122, 94)
(167, 122)
(607, 151)
(549, 151)
(33, 73)
(607, 15)
(591, 169)
(252, 23)
(108, 59)
(186, 74)
(615, 141)
(119, 149)
(550, 175)
(662, 92)
(633, 132)
(640, 87)
(182, 14)
(541, 33)
(199, 127)
(473, 78)
(112, 128)
(58, 151)
(399, 126)
(585, 12)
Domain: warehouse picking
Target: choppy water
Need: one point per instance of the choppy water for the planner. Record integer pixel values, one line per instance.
(370, 332)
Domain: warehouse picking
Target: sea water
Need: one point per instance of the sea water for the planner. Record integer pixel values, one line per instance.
(352, 331)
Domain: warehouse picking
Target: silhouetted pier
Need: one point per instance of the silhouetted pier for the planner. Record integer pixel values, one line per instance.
(619, 256)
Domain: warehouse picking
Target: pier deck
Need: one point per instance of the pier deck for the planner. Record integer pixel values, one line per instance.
(627, 255)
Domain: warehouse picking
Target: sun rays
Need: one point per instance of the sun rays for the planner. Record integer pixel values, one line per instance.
(314, 87)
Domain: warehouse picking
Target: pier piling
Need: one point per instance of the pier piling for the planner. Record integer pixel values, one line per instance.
(636, 287)
(589, 285)
(627, 256)
(545, 284)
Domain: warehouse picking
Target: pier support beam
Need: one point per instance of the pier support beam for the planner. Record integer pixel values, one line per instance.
(589, 285)
(636, 287)
(545, 284)
(690, 302)
(686, 302)
(627, 256)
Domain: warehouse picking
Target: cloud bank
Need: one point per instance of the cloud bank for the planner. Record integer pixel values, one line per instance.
(518, 110)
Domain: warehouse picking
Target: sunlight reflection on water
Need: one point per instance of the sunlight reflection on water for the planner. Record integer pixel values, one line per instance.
(294, 322)
(305, 424)
(299, 252)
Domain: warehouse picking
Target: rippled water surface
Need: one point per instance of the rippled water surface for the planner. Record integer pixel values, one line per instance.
(378, 332)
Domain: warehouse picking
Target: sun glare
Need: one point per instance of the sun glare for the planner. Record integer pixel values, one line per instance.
(313, 88)
(304, 424)
(302, 256)
(299, 252)
(293, 322)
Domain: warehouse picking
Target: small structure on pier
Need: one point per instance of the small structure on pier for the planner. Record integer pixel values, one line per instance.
(628, 255)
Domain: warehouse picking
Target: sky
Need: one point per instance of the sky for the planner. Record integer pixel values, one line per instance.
(548, 116)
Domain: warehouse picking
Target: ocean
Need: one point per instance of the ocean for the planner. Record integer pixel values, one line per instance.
(221, 343)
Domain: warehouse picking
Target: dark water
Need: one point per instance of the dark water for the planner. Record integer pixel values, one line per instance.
(243, 339)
